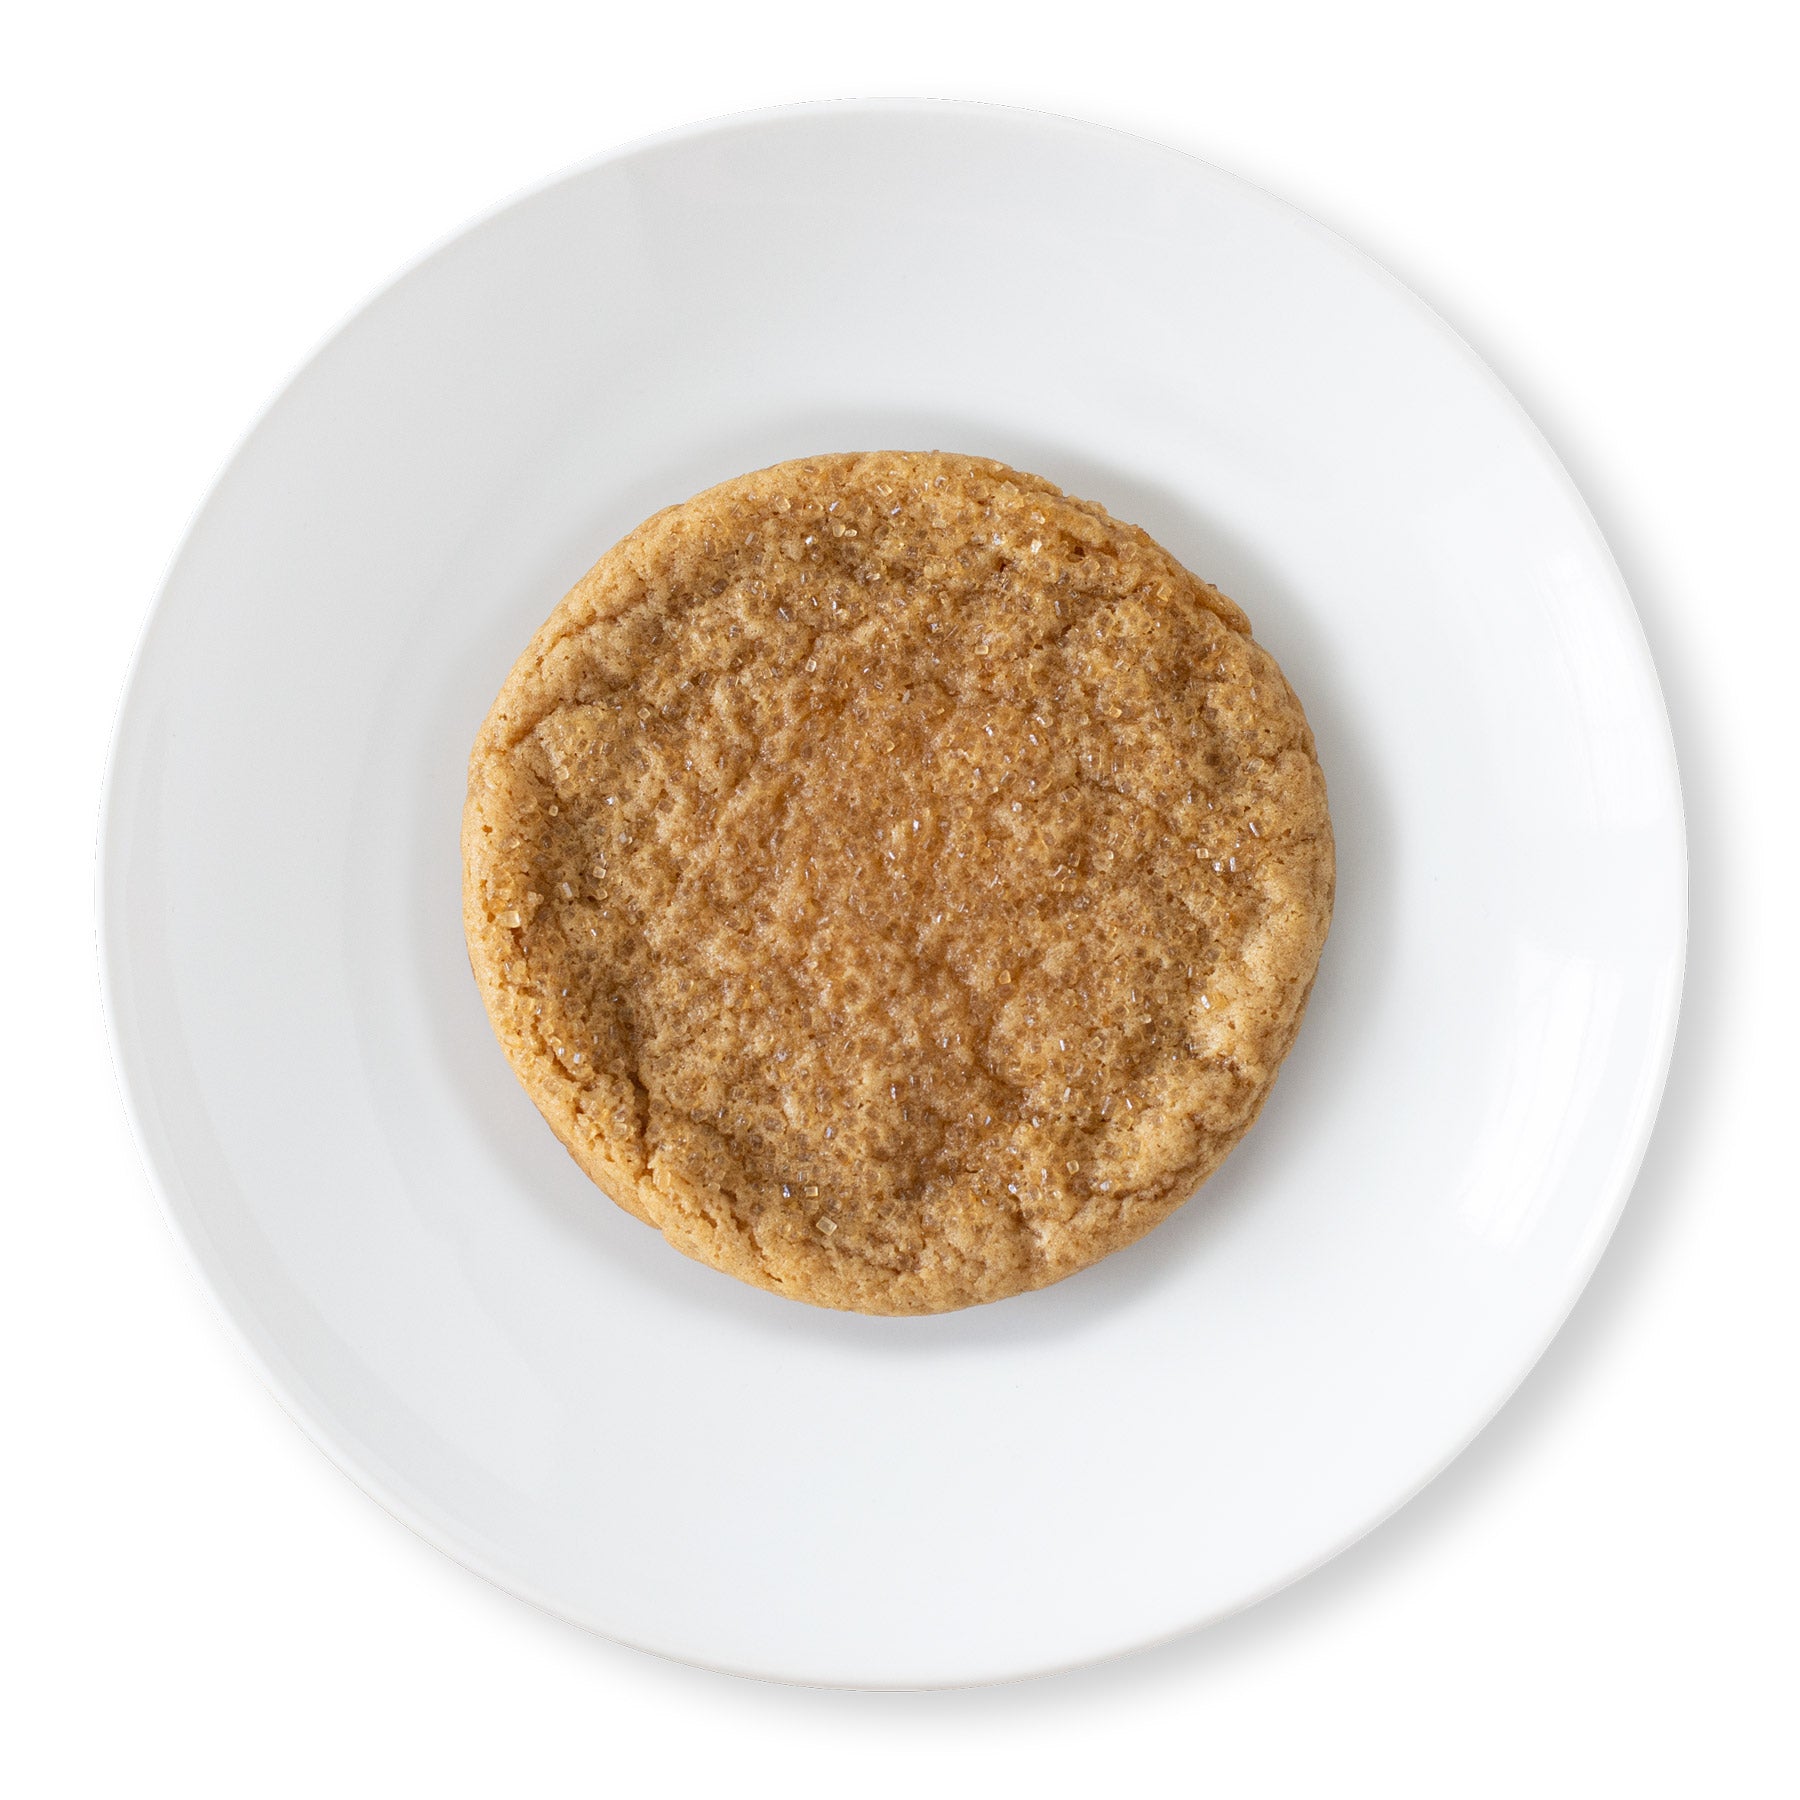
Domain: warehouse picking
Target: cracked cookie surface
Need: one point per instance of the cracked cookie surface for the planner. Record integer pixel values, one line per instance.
(896, 881)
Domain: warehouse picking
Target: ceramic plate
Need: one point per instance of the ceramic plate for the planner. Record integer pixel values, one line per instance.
(532, 1379)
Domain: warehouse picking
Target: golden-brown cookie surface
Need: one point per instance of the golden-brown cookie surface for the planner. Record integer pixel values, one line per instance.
(894, 880)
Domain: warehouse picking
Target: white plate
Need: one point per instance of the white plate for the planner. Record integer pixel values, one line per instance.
(532, 1379)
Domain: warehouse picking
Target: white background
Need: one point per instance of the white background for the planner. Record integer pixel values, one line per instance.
(1599, 1596)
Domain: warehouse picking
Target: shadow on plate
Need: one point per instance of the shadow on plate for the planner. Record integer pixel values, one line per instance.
(1352, 973)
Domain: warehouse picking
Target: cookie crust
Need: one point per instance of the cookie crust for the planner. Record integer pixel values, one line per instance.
(894, 880)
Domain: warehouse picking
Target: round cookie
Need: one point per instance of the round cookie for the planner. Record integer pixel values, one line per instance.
(894, 880)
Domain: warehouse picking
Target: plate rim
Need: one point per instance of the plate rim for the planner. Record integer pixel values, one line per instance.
(160, 1167)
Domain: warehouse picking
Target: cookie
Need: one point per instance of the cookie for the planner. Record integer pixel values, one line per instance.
(894, 880)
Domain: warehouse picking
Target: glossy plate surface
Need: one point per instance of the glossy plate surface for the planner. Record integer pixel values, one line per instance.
(534, 1380)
